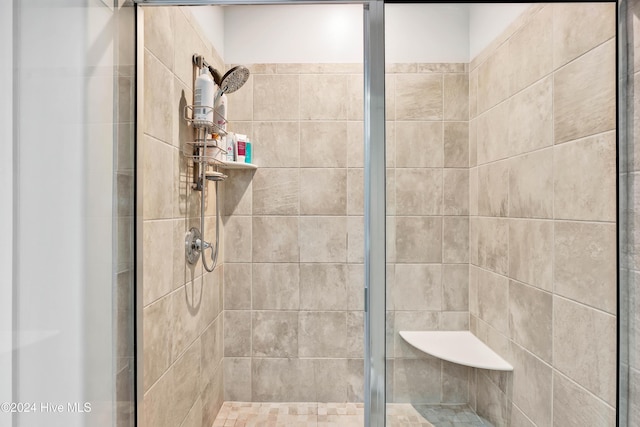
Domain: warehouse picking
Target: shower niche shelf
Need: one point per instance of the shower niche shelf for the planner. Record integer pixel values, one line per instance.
(461, 347)
(237, 165)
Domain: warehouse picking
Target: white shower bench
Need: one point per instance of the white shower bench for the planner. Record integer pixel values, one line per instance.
(461, 347)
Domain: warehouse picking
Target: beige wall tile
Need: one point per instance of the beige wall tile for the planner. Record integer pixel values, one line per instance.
(282, 380)
(274, 334)
(157, 273)
(237, 239)
(493, 300)
(532, 386)
(418, 191)
(322, 97)
(419, 144)
(418, 239)
(531, 252)
(237, 379)
(186, 383)
(531, 50)
(323, 239)
(473, 143)
(355, 144)
(237, 333)
(276, 286)
(492, 403)
(584, 95)
(355, 106)
(323, 191)
(455, 242)
(237, 286)
(578, 28)
(455, 383)
(584, 347)
(355, 286)
(417, 287)
(417, 380)
(276, 97)
(456, 144)
(531, 185)
(331, 379)
(411, 321)
(585, 263)
(390, 97)
(276, 191)
(493, 189)
(419, 97)
(473, 240)
(323, 286)
(492, 135)
(159, 33)
(493, 242)
(212, 349)
(158, 410)
(390, 144)
(237, 193)
(157, 340)
(187, 42)
(473, 94)
(456, 191)
(531, 117)
(454, 320)
(585, 179)
(530, 322)
(182, 130)
(322, 334)
(157, 179)
(473, 291)
(159, 108)
(322, 144)
(355, 333)
(277, 144)
(574, 406)
(355, 239)
(473, 191)
(194, 417)
(455, 287)
(240, 103)
(275, 239)
(493, 79)
(355, 191)
(186, 310)
(518, 419)
(456, 96)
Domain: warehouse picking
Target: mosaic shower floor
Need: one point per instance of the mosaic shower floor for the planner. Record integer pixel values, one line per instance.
(243, 414)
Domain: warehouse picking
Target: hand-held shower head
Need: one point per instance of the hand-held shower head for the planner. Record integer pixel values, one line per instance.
(234, 79)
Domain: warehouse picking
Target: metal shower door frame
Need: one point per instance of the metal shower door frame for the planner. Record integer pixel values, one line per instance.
(374, 203)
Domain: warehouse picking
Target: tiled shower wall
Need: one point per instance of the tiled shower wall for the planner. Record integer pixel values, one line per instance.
(182, 319)
(543, 212)
(294, 232)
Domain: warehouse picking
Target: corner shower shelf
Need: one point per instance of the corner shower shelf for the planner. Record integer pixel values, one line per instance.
(236, 165)
(461, 347)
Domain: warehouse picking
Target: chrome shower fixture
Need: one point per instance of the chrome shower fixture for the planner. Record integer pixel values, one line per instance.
(195, 243)
(233, 79)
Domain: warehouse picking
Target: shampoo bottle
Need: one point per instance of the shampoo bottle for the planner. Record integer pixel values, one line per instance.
(221, 112)
(203, 109)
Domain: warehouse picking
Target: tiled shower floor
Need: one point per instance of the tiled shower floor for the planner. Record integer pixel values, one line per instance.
(243, 414)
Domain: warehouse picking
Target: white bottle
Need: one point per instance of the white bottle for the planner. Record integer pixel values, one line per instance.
(203, 109)
(230, 148)
(221, 112)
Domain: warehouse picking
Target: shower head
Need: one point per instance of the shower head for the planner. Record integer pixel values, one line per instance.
(234, 79)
